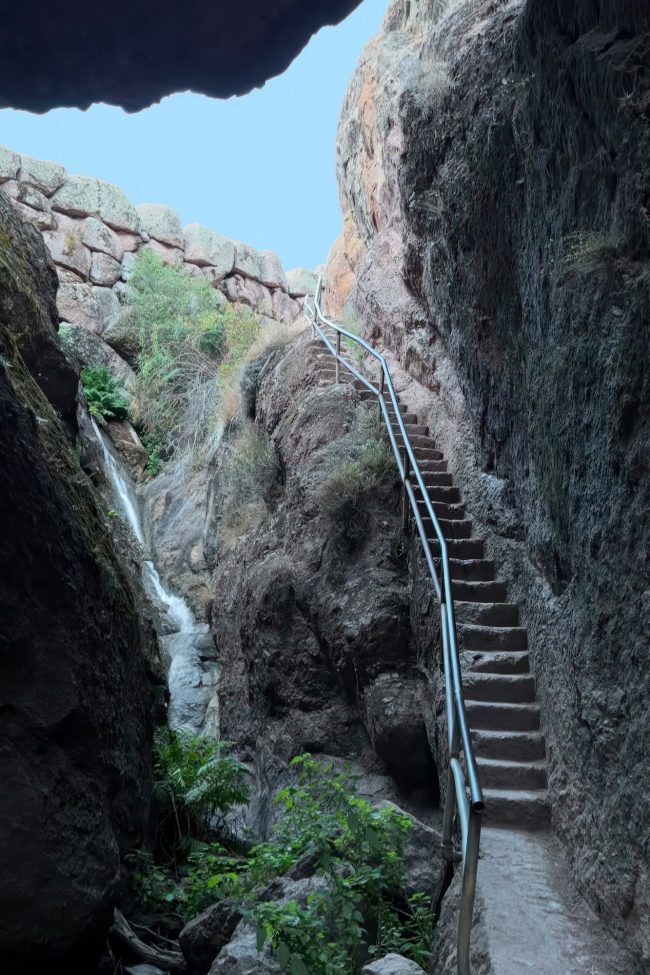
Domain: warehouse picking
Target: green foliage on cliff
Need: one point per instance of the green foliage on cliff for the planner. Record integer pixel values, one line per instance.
(359, 910)
(106, 400)
(356, 908)
(189, 340)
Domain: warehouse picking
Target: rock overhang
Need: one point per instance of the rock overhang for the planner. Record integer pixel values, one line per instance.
(132, 55)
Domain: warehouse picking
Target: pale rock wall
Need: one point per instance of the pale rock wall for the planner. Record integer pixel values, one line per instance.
(93, 233)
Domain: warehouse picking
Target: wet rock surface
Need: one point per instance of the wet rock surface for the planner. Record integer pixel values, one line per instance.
(77, 658)
(495, 163)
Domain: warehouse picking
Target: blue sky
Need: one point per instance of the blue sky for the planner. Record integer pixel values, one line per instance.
(258, 168)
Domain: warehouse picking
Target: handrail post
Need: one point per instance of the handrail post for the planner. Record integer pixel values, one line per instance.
(470, 867)
(381, 391)
(338, 352)
(405, 499)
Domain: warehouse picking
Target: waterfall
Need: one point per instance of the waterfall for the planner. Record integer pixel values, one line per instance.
(193, 673)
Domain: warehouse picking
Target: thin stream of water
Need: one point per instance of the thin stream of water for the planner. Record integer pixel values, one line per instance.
(193, 675)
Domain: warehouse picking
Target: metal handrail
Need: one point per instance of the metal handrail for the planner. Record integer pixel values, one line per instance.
(460, 744)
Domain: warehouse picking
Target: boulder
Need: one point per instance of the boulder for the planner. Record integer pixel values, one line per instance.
(78, 197)
(301, 282)
(127, 265)
(241, 957)
(170, 255)
(248, 261)
(82, 196)
(247, 291)
(161, 223)
(87, 349)
(129, 242)
(392, 965)
(66, 277)
(104, 270)
(27, 194)
(207, 249)
(393, 715)
(44, 176)
(30, 203)
(93, 307)
(272, 271)
(44, 220)
(121, 334)
(98, 237)
(285, 309)
(263, 266)
(68, 252)
(203, 938)
(213, 278)
(129, 447)
(9, 164)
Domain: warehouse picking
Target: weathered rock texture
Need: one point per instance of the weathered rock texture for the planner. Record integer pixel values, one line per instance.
(310, 610)
(93, 234)
(75, 694)
(495, 161)
(125, 56)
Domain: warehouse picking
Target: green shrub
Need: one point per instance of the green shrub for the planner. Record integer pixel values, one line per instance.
(155, 449)
(360, 912)
(106, 400)
(196, 783)
(188, 339)
(358, 849)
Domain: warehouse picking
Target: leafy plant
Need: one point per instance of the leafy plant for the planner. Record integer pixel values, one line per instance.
(106, 401)
(357, 908)
(360, 911)
(188, 339)
(154, 448)
(196, 783)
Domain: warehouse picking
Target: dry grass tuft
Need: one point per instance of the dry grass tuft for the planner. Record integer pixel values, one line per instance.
(249, 470)
(229, 405)
(275, 336)
(360, 462)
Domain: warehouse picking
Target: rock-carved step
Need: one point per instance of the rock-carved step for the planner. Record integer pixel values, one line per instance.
(498, 686)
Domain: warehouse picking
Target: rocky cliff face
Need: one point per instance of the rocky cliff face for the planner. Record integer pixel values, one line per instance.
(494, 157)
(126, 56)
(77, 654)
(311, 605)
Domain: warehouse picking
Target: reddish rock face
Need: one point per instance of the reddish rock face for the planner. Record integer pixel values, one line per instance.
(125, 56)
(342, 263)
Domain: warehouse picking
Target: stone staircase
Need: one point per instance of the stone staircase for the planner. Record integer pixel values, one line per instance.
(498, 686)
